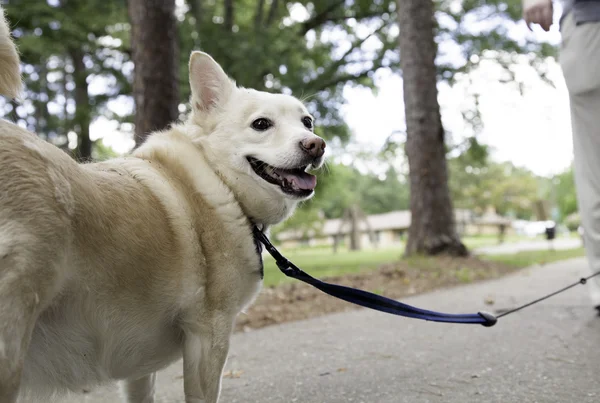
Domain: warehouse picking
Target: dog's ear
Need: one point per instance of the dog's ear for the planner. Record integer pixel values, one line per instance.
(209, 83)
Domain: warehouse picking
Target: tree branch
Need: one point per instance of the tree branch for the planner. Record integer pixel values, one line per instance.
(320, 18)
(196, 9)
(258, 15)
(340, 18)
(272, 12)
(329, 75)
(339, 79)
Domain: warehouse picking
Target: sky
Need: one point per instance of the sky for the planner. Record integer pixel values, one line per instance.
(531, 130)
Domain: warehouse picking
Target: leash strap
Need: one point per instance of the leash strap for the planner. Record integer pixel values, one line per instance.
(367, 299)
(582, 281)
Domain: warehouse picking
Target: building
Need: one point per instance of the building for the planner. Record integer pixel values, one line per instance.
(388, 229)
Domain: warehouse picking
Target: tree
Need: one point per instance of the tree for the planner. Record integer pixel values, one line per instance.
(433, 228)
(62, 54)
(564, 193)
(477, 186)
(296, 50)
(311, 49)
(341, 187)
(82, 118)
(353, 216)
(154, 45)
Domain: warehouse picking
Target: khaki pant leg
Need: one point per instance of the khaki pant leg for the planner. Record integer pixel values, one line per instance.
(580, 62)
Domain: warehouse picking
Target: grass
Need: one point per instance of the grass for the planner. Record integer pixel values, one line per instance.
(322, 263)
(473, 242)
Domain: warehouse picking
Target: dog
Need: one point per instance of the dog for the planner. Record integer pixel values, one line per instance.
(111, 271)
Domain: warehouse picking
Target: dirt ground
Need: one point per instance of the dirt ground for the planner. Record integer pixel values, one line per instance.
(297, 301)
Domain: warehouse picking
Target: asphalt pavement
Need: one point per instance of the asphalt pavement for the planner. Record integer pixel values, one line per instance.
(549, 352)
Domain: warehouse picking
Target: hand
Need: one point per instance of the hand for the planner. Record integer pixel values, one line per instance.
(538, 12)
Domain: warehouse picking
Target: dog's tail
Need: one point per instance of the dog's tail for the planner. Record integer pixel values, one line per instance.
(10, 75)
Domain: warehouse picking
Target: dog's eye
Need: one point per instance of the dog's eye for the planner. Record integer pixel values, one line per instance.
(308, 122)
(261, 124)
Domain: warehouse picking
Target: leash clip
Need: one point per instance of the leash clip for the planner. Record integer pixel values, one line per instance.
(490, 320)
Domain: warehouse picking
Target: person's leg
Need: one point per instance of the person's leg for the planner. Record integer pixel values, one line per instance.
(580, 61)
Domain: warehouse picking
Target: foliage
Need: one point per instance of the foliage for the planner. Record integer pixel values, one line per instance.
(49, 35)
(572, 222)
(341, 186)
(312, 49)
(481, 31)
(478, 185)
(102, 152)
(564, 193)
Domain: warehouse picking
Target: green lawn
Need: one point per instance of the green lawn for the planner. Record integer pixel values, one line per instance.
(322, 263)
(473, 242)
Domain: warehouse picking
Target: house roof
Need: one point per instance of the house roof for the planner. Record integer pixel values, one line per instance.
(394, 220)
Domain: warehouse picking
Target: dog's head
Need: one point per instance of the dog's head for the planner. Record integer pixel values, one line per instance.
(261, 144)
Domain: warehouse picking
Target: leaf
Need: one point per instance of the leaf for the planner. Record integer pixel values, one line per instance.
(233, 374)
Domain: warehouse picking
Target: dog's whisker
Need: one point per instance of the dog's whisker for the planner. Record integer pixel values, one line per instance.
(308, 97)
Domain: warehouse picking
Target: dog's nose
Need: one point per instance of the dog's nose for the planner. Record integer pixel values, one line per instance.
(314, 146)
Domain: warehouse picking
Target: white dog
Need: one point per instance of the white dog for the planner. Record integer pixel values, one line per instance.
(114, 270)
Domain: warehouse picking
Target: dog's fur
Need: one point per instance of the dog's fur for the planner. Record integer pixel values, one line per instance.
(114, 270)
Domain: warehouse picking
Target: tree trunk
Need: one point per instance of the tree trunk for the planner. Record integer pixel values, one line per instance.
(154, 47)
(198, 12)
(355, 240)
(272, 12)
(66, 121)
(433, 228)
(82, 118)
(258, 15)
(228, 20)
(352, 217)
(14, 116)
(41, 114)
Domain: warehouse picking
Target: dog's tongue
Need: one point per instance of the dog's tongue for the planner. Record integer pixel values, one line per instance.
(301, 180)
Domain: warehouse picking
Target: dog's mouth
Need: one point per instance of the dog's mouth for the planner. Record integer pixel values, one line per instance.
(296, 182)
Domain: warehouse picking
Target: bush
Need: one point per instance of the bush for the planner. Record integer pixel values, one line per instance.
(573, 221)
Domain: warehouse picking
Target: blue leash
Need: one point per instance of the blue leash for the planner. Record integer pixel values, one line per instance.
(370, 300)
(383, 304)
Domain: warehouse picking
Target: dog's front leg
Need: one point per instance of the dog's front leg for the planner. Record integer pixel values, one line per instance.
(26, 285)
(140, 390)
(204, 355)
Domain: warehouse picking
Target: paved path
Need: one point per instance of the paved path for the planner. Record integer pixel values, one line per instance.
(548, 353)
(534, 244)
